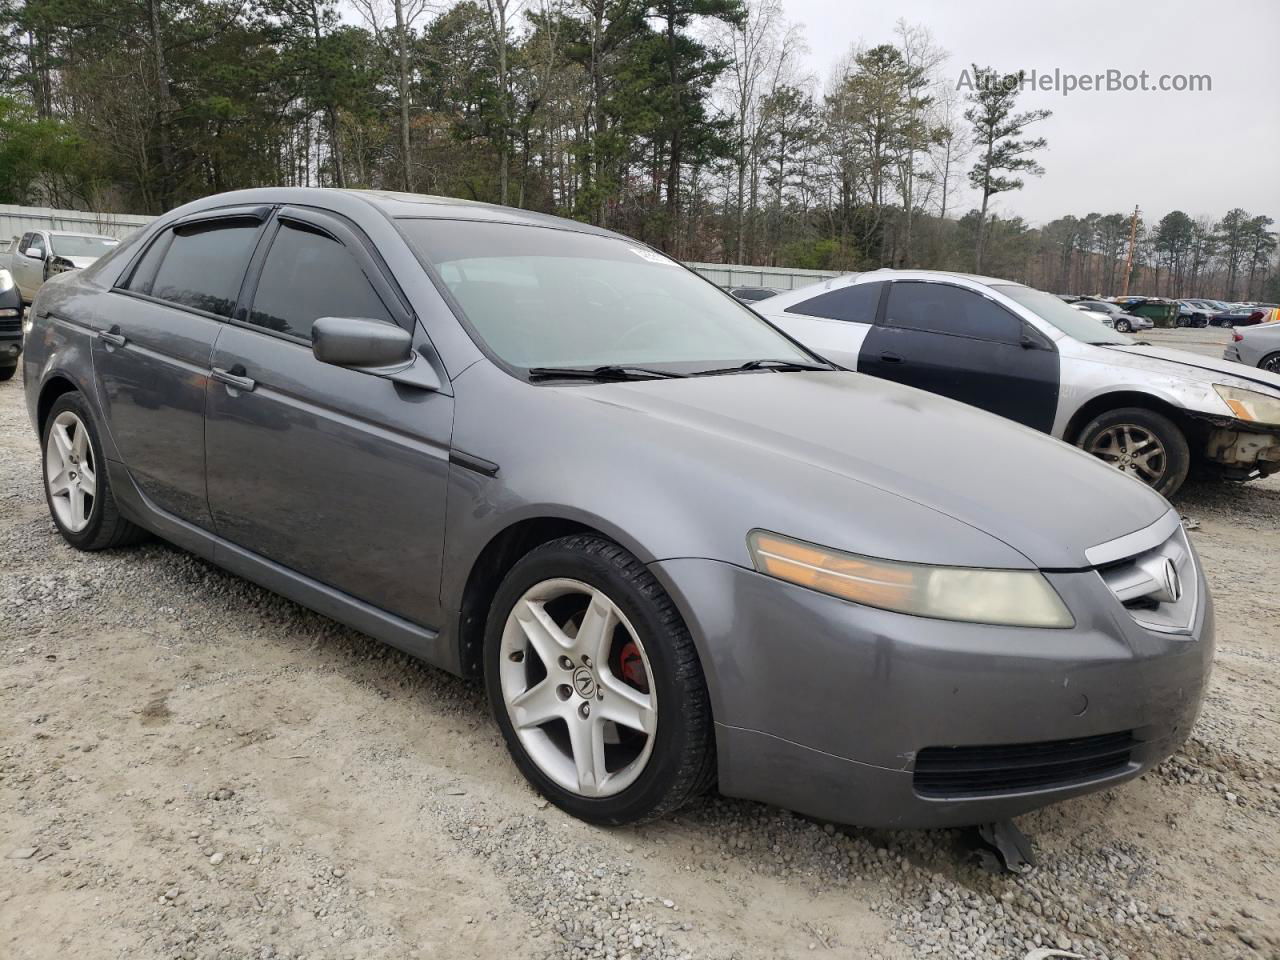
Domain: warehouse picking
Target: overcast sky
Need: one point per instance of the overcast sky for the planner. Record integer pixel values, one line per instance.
(1200, 152)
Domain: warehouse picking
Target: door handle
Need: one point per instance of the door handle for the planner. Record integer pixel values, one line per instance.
(234, 378)
(890, 358)
(113, 337)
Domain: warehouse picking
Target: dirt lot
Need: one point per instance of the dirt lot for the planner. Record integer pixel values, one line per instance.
(191, 767)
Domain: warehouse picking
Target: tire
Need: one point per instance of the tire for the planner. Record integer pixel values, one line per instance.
(1271, 363)
(1164, 471)
(103, 526)
(1123, 326)
(6, 373)
(645, 775)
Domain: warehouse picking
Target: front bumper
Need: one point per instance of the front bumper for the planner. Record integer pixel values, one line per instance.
(823, 706)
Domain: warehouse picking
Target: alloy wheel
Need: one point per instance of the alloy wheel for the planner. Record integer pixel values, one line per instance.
(1133, 450)
(578, 688)
(70, 472)
(1271, 363)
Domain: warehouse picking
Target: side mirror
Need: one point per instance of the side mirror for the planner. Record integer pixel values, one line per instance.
(35, 253)
(374, 347)
(358, 342)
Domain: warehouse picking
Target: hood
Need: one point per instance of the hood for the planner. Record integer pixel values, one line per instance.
(1192, 365)
(78, 262)
(1046, 500)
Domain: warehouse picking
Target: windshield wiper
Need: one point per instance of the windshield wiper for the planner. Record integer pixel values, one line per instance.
(610, 371)
(782, 365)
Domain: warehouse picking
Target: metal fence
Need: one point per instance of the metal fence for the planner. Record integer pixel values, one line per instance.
(728, 275)
(15, 221)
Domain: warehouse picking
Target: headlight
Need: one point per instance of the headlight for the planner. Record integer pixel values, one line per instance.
(6, 281)
(1249, 404)
(1015, 598)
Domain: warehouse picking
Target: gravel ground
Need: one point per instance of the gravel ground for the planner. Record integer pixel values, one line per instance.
(191, 767)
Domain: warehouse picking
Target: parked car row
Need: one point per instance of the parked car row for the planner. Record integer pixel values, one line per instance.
(680, 543)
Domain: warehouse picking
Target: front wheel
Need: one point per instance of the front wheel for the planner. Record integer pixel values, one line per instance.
(1124, 326)
(596, 685)
(1142, 443)
(6, 373)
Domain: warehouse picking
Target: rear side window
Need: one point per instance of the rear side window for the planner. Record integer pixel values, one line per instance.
(942, 308)
(202, 267)
(857, 303)
(307, 276)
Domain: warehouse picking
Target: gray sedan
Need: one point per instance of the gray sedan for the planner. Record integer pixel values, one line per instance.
(1257, 346)
(678, 547)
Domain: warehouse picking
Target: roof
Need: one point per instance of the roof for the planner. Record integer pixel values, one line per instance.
(393, 205)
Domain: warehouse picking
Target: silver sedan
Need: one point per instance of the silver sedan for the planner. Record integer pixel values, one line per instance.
(1257, 346)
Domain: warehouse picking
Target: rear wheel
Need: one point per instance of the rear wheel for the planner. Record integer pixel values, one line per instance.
(1271, 362)
(76, 486)
(595, 684)
(1142, 443)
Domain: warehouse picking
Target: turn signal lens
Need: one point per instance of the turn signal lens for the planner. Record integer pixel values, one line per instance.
(1020, 598)
(1249, 404)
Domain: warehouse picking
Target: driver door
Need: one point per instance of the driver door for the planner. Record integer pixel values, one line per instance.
(954, 341)
(331, 472)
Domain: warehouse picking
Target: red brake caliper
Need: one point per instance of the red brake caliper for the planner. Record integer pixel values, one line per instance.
(631, 667)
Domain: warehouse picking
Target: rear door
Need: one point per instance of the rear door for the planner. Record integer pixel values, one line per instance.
(154, 341)
(959, 343)
(833, 324)
(332, 472)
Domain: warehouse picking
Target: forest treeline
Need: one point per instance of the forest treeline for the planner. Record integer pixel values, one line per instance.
(694, 125)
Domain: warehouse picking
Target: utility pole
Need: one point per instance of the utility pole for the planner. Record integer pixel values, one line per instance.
(1128, 263)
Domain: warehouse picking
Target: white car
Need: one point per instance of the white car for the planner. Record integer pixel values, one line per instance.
(1026, 355)
(39, 254)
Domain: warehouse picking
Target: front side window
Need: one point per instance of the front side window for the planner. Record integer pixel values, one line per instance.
(943, 308)
(857, 303)
(204, 266)
(307, 276)
(37, 242)
(545, 297)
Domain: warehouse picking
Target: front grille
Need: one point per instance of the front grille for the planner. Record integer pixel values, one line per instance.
(10, 326)
(953, 772)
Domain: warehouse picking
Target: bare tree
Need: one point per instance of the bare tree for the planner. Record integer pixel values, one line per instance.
(399, 20)
(500, 15)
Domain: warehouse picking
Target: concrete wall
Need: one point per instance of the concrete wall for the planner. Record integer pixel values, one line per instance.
(15, 221)
(782, 278)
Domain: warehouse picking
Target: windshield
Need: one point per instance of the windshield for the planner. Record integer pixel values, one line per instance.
(544, 297)
(82, 246)
(1074, 323)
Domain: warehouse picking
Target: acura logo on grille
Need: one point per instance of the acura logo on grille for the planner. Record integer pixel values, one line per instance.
(1172, 591)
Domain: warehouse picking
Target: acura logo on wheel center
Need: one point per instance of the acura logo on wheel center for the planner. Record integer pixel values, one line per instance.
(584, 683)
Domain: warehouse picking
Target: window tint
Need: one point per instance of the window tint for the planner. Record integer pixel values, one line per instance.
(308, 276)
(143, 276)
(942, 308)
(857, 302)
(203, 266)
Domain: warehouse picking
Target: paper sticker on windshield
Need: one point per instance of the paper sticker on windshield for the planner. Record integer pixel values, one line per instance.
(653, 256)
